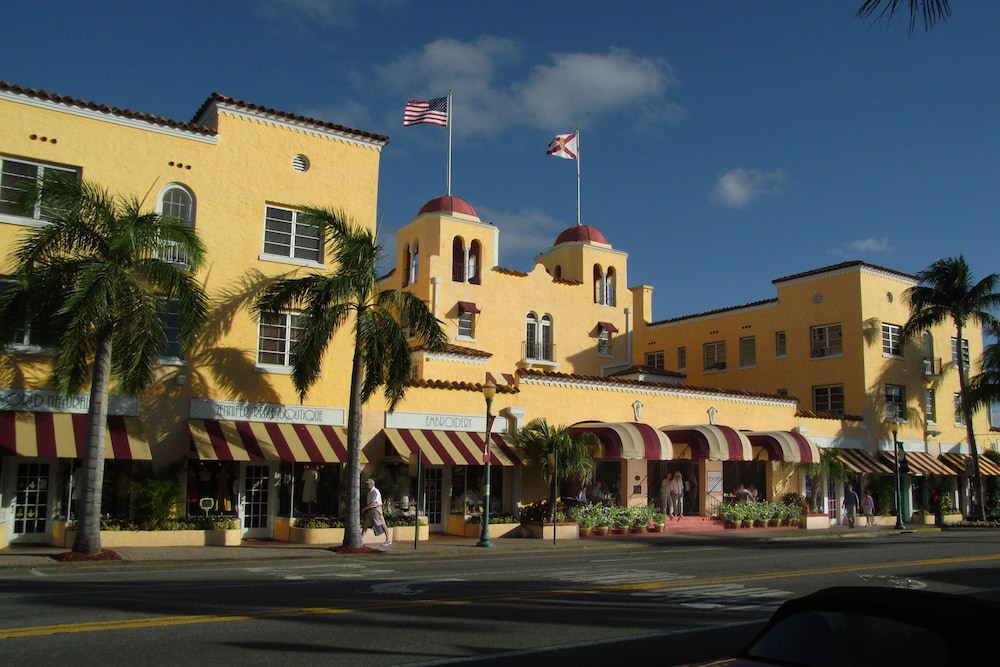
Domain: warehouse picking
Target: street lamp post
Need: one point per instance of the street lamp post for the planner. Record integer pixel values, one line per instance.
(899, 487)
(489, 391)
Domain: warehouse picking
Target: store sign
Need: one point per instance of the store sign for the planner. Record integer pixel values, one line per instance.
(267, 412)
(434, 421)
(40, 400)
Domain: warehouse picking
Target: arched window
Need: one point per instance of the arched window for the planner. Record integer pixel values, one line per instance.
(609, 287)
(178, 202)
(458, 260)
(538, 337)
(598, 284)
(414, 268)
(474, 263)
(408, 260)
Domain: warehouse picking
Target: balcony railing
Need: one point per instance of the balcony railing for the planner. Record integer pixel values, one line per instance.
(168, 251)
(932, 366)
(534, 351)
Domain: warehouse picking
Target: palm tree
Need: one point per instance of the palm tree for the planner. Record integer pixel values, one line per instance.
(946, 293)
(350, 295)
(932, 10)
(94, 270)
(539, 441)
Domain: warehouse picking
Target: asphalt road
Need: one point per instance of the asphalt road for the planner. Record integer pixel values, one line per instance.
(666, 601)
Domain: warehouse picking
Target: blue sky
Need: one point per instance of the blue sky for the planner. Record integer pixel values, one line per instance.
(723, 144)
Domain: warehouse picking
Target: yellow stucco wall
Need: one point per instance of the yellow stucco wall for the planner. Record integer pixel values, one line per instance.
(233, 174)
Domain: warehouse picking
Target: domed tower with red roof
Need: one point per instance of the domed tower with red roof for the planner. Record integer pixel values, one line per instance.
(583, 254)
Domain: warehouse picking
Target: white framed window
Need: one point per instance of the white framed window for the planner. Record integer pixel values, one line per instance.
(538, 338)
(412, 264)
(682, 358)
(178, 202)
(465, 325)
(467, 312)
(714, 355)
(891, 343)
(286, 237)
(277, 335)
(895, 402)
(930, 406)
(654, 359)
(825, 341)
(604, 343)
(959, 415)
(965, 353)
(780, 344)
(33, 334)
(16, 176)
(170, 318)
(829, 398)
(748, 352)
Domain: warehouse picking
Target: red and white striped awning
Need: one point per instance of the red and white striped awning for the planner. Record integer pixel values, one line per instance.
(627, 440)
(920, 463)
(709, 441)
(787, 446)
(962, 464)
(269, 441)
(861, 462)
(501, 379)
(456, 448)
(64, 435)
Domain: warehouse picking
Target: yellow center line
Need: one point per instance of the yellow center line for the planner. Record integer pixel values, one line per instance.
(166, 621)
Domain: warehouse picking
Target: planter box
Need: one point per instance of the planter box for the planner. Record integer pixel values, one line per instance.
(116, 539)
(405, 533)
(315, 535)
(496, 530)
(814, 521)
(564, 531)
(953, 518)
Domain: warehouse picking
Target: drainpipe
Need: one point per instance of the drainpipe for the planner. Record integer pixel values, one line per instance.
(435, 285)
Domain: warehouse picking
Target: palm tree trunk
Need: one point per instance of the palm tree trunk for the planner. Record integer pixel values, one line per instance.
(88, 534)
(970, 431)
(352, 527)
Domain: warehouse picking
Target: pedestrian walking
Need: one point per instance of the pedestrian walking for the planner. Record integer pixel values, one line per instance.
(868, 507)
(373, 514)
(850, 504)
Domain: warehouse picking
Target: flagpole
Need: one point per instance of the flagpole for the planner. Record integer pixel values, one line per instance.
(577, 176)
(448, 176)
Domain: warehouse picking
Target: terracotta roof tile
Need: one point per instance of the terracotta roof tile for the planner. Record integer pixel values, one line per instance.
(810, 414)
(103, 108)
(451, 348)
(460, 386)
(223, 99)
(652, 385)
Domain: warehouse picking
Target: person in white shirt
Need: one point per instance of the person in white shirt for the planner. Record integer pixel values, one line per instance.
(373, 513)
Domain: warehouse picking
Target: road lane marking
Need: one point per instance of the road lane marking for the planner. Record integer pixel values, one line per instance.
(164, 621)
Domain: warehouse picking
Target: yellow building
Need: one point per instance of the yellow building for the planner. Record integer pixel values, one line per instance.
(831, 339)
(236, 171)
(738, 396)
(558, 341)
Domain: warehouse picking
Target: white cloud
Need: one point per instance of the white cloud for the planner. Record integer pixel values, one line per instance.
(738, 187)
(569, 91)
(870, 245)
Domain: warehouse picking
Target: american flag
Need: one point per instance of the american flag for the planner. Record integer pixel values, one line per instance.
(431, 112)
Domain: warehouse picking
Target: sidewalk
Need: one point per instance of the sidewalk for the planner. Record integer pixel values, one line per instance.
(29, 557)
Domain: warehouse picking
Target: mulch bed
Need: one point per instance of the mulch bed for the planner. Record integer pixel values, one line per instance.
(355, 550)
(74, 557)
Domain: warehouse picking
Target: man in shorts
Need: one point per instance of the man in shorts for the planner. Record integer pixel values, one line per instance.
(373, 514)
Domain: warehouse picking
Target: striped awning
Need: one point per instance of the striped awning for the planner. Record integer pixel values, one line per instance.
(861, 462)
(456, 448)
(921, 463)
(627, 440)
(64, 435)
(269, 441)
(787, 446)
(958, 463)
(709, 441)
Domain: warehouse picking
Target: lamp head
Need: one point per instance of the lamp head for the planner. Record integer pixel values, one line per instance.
(489, 390)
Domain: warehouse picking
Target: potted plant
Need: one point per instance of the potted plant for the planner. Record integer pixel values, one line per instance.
(659, 521)
(622, 519)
